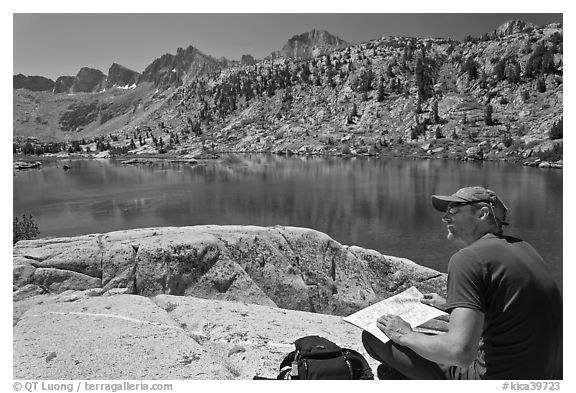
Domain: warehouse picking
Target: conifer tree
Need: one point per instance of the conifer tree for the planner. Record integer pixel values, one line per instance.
(438, 133)
(541, 85)
(488, 115)
(354, 111)
(434, 109)
(499, 72)
(557, 130)
(471, 68)
(380, 93)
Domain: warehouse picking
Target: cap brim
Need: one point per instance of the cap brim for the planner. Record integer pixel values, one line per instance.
(441, 202)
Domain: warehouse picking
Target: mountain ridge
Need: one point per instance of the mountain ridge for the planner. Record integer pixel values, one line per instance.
(319, 37)
(391, 95)
(310, 44)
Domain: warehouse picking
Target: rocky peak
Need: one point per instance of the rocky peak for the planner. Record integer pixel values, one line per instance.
(247, 60)
(175, 70)
(64, 84)
(89, 80)
(512, 27)
(34, 83)
(311, 44)
(119, 75)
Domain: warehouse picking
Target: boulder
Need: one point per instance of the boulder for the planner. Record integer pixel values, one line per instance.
(26, 291)
(474, 153)
(58, 280)
(26, 165)
(286, 267)
(80, 254)
(22, 272)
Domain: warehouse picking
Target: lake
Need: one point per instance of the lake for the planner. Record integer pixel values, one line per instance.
(373, 202)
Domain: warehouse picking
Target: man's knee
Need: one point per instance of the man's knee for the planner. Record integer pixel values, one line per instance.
(375, 347)
(367, 341)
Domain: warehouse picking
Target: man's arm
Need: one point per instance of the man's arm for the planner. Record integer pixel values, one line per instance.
(459, 346)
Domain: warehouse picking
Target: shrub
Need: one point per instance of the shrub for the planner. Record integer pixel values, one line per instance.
(551, 155)
(541, 85)
(471, 68)
(525, 95)
(438, 133)
(488, 115)
(24, 228)
(557, 130)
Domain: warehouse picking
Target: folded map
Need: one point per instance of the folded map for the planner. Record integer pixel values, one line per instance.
(406, 305)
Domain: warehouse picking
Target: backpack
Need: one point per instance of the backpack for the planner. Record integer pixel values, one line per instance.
(316, 357)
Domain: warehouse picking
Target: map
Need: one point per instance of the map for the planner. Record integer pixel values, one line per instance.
(406, 305)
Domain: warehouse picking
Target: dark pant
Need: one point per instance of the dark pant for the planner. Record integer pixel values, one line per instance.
(414, 366)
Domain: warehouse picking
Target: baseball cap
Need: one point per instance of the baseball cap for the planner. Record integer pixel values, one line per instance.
(470, 195)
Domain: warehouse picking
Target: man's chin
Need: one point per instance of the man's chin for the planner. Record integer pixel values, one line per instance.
(455, 239)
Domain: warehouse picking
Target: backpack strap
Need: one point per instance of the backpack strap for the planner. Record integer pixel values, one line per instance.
(360, 367)
(286, 365)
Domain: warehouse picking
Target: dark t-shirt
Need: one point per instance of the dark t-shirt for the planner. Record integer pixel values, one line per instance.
(508, 281)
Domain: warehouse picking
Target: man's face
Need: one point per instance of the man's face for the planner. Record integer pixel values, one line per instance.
(462, 222)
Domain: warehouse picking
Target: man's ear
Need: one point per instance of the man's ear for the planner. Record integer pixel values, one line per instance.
(484, 212)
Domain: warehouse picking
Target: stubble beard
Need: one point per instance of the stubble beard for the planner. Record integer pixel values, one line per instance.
(450, 234)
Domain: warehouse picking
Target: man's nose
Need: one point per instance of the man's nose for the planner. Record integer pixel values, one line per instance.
(446, 217)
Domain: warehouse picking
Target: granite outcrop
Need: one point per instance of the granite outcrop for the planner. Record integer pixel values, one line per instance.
(201, 302)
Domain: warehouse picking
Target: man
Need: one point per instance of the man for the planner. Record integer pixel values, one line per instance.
(505, 309)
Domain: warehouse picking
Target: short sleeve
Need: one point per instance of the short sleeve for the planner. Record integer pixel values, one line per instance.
(465, 281)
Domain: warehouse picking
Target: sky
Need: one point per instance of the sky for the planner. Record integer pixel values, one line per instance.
(57, 44)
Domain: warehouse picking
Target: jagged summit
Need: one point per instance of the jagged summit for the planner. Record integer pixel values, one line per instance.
(311, 44)
(513, 27)
(393, 95)
(186, 65)
(87, 80)
(118, 75)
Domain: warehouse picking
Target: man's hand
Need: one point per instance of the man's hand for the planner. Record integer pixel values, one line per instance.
(434, 300)
(394, 327)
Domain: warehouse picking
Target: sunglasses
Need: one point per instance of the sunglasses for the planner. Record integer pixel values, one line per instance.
(455, 208)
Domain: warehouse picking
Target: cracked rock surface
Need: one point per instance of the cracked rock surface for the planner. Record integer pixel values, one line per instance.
(113, 337)
(202, 302)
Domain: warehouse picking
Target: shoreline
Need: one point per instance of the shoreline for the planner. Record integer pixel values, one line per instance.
(217, 155)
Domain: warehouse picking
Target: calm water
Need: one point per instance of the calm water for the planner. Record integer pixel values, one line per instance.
(377, 203)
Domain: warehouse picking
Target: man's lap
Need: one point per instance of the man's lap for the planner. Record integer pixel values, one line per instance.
(414, 366)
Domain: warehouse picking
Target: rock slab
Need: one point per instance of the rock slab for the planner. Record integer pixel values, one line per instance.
(288, 267)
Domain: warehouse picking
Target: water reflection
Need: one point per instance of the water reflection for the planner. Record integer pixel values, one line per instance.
(378, 203)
